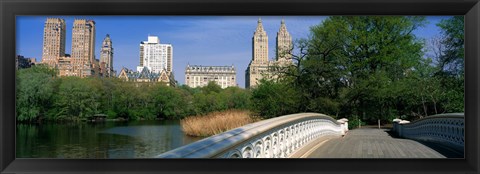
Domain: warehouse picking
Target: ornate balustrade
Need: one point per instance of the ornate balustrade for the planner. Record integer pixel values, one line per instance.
(278, 137)
(447, 129)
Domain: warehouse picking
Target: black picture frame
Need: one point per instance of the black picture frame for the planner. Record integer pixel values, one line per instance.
(11, 8)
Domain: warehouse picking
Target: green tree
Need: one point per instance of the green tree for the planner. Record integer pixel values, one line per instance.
(272, 99)
(451, 63)
(451, 60)
(76, 99)
(237, 98)
(144, 106)
(35, 87)
(168, 102)
(377, 51)
(123, 97)
(349, 64)
(211, 87)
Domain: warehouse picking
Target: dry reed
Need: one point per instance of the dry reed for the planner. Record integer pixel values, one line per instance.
(215, 122)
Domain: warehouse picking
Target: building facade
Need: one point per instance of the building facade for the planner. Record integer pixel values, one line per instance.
(106, 58)
(284, 44)
(53, 41)
(199, 76)
(155, 56)
(147, 76)
(83, 41)
(260, 66)
(83, 48)
(23, 62)
(65, 66)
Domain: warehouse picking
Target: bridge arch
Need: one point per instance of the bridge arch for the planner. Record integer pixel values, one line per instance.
(446, 129)
(278, 137)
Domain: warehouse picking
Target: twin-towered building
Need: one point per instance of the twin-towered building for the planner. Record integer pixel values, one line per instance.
(81, 62)
(260, 66)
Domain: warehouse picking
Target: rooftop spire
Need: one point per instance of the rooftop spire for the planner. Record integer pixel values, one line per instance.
(283, 27)
(107, 40)
(259, 25)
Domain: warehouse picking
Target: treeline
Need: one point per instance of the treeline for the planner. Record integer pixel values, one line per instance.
(43, 96)
(370, 68)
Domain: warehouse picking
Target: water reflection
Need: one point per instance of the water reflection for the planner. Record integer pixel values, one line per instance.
(140, 139)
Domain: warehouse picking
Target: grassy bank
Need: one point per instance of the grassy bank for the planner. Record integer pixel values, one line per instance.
(216, 122)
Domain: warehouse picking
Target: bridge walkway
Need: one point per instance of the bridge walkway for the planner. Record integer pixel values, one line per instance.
(373, 143)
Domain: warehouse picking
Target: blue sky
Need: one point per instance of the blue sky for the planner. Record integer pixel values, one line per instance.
(197, 40)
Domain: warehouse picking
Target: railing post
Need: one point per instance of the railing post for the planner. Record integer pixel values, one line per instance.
(401, 127)
(346, 123)
(359, 123)
(342, 125)
(396, 125)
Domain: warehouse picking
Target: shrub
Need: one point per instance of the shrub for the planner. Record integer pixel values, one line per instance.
(215, 122)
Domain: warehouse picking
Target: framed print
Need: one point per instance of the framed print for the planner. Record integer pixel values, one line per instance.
(186, 87)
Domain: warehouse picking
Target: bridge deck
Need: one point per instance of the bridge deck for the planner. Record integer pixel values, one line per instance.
(372, 143)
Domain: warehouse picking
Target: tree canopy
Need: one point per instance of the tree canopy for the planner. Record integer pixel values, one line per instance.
(375, 67)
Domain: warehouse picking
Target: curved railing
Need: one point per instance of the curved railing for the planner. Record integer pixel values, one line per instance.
(278, 137)
(448, 129)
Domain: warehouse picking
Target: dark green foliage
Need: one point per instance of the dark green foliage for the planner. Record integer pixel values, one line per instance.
(213, 98)
(35, 89)
(451, 64)
(169, 103)
(76, 99)
(355, 122)
(271, 99)
(451, 60)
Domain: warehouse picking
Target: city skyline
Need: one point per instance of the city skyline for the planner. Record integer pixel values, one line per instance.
(201, 40)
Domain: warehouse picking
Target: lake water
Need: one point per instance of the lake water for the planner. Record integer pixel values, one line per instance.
(135, 139)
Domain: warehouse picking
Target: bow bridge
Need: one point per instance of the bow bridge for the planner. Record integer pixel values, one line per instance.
(314, 135)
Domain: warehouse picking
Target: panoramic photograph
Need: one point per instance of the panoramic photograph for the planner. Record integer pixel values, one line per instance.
(123, 87)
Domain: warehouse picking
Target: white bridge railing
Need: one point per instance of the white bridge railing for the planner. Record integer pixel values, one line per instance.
(278, 137)
(448, 129)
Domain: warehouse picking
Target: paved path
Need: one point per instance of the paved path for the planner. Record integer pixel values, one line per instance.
(372, 143)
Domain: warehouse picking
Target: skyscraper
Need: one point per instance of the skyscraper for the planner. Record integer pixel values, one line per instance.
(258, 67)
(284, 43)
(260, 44)
(83, 41)
(106, 57)
(83, 47)
(155, 56)
(53, 41)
